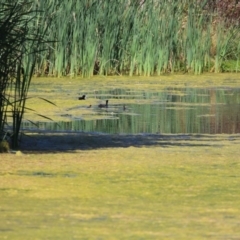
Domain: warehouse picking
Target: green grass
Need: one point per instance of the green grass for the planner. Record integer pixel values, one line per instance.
(122, 193)
(230, 66)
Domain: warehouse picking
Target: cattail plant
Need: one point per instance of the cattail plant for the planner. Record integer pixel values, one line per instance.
(134, 37)
(23, 28)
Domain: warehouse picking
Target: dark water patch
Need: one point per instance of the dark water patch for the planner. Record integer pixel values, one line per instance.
(46, 174)
(36, 174)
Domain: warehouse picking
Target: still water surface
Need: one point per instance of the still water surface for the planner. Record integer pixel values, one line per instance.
(171, 110)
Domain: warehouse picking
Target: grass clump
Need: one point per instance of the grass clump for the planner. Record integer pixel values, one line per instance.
(4, 146)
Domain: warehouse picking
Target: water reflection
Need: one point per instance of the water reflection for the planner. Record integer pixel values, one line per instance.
(174, 110)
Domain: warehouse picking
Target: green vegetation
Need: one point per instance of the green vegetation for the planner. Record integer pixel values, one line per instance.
(21, 42)
(138, 37)
(159, 192)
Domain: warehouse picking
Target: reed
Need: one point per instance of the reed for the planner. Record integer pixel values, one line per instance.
(23, 26)
(134, 37)
(143, 38)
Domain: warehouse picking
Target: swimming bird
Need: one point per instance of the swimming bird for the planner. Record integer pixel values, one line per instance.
(89, 106)
(103, 105)
(82, 97)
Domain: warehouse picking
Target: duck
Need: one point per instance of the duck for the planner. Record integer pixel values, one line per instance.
(89, 106)
(82, 97)
(103, 105)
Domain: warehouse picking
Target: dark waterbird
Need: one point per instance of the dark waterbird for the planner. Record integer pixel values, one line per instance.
(82, 97)
(89, 106)
(103, 105)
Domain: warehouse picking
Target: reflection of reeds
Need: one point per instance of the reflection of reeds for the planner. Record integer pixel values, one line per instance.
(173, 110)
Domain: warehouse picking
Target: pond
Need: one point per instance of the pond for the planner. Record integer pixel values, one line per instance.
(173, 110)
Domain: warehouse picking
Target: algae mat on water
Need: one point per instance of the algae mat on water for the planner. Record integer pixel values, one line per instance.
(91, 186)
(64, 92)
(122, 193)
(182, 190)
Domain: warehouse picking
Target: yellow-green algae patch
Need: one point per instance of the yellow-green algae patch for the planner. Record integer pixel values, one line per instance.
(157, 192)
